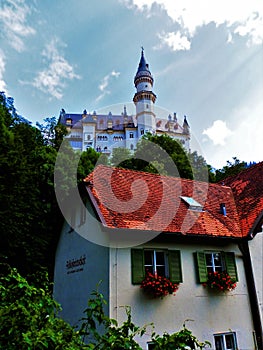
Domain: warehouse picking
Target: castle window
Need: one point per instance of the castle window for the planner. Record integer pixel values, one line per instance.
(142, 131)
(131, 135)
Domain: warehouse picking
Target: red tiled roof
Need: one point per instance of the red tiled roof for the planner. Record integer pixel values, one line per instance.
(137, 200)
(247, 187)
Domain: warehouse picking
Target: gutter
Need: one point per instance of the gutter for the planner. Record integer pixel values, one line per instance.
(252, 292)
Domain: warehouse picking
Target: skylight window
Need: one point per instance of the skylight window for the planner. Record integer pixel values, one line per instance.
(192, 203)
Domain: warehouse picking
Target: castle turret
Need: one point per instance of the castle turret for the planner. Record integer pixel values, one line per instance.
(144, 98)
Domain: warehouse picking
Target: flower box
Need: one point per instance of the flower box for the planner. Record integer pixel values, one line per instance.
(158, 286)
(220, 281)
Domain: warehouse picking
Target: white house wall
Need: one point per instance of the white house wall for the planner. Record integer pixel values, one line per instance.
(209, 311)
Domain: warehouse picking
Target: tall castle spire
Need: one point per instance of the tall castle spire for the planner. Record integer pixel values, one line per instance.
(144, 98)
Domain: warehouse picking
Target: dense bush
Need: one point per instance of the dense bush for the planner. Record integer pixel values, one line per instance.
(29, 321)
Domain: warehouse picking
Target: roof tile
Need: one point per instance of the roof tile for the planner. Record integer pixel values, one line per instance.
(247, 187)
(143, 201)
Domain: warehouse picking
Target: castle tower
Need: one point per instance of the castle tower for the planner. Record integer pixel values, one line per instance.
(144, 98)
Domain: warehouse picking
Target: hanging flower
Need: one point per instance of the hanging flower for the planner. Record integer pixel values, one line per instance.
(220, 281)
(158, 286)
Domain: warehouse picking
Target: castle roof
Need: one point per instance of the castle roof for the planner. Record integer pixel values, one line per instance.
(143, 69)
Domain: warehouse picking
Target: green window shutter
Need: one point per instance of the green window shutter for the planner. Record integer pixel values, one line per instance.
(175, 267)
(201, 267)
(231, 267)
(137, 264)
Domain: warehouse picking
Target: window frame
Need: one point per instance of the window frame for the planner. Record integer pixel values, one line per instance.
(223, 345)
(228, 261)
(174, 265)
(214, 266)
(154, 266)
(150, 346)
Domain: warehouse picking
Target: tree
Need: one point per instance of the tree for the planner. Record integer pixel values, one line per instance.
(121, 157)
(29, 215)
(162, 154)
(232, 168)
(52, 132)
(28, 316)
(30, 218)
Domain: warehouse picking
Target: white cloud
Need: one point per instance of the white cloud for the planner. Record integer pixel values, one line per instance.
(13, 20)
(218, 132)
(2, 70)
(52, 79)
(244, 18)
(245, 142)
(175, 41)
(105, 83)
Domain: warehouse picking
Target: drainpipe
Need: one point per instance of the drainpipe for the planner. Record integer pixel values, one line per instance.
(253, 298)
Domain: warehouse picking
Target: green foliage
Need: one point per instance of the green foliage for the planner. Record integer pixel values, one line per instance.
(186, 165)
(88, 160)
(27, 200)
(184, 339)
(103, 332)
(30, 219)
(28, 316)
(29, 321)
(121, 157)
(52, 132)
(232, 168)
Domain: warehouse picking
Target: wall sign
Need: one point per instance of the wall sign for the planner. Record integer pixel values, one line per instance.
(76, 265)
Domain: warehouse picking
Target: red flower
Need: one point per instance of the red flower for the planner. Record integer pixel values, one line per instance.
(220, 281)
(158, 286)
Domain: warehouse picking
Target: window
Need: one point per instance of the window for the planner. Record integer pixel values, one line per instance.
(155, 261)
(87, 137)
(131, 135)
(76, 144)
(142, 131)
(215, 261)
(150, 346)
(225, 341)
(165, 262)
(192, 203)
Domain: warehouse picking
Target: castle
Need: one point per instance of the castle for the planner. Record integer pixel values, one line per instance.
(104, 132)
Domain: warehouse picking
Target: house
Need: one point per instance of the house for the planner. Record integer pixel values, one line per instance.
(135, 223)
(104, 132)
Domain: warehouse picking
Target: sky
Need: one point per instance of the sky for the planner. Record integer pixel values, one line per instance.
(206, 58)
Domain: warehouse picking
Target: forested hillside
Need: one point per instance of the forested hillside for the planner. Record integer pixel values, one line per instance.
(30, 220)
